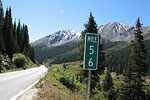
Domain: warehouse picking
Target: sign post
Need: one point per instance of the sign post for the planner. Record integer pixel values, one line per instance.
(89, 85)
(90, 56)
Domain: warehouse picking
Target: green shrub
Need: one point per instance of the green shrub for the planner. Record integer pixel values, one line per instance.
(19, 60)
(67, 78)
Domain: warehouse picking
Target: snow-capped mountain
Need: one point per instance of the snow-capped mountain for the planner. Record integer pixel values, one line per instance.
(112, 31)
(119, 32)
(58, 38)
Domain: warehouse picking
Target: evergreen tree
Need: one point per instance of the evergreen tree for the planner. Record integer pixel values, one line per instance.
(108, 87)
(8, 33)
(91, 27)
(128, 88)
(138, 53)
(14, 41)
(29, 52)
(21, 37)
(2, 45)
(138, 58)
(133, 87)
(18, 33)
(25, 41)
(107, 82)
(26, 37)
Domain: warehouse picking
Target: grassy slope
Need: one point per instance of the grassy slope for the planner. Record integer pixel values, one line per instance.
(52, 89)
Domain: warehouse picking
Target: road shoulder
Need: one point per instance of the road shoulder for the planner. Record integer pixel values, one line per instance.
(31, 94)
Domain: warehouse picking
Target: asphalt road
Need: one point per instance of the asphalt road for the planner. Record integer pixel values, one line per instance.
(11, 84)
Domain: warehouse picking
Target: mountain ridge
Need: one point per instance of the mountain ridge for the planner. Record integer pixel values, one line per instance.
(113, 31)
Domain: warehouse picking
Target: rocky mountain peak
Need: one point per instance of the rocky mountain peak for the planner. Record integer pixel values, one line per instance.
(118, 32)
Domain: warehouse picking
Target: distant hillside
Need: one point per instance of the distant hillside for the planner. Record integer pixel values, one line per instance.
(57, 54)
(117, 58)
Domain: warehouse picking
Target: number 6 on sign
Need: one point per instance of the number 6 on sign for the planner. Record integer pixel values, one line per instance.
(90, 63)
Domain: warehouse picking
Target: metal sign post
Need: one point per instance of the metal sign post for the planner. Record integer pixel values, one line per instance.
(90, 56)
(89, 85)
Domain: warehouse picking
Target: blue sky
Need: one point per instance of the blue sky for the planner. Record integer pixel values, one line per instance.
(45, 17)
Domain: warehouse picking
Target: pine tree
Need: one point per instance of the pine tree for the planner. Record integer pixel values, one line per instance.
(25, 41)
(19, 33)
(128, 88)
(108, 87)
(29, 52)
(138, 58)
(21, 38)
(8, 33)
(2, 45)
(133, 87)
(91, 27)
(138, 54)
(107, 82)
(14, 41)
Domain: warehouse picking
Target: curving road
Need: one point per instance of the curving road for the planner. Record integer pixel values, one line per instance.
(14, 83)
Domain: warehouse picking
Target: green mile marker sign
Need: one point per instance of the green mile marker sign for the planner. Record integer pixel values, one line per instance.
(91, 51)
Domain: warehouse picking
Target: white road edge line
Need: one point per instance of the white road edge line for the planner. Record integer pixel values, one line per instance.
(22, 92)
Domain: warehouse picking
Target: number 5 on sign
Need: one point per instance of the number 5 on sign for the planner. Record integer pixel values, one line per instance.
(91, 51)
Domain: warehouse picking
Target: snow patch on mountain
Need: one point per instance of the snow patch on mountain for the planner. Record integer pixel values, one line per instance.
(116, 32)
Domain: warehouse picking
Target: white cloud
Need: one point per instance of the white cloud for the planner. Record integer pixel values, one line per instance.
(61, 11)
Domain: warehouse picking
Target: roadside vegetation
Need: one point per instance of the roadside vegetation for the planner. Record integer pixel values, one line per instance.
(19, 62)
(61, 84)
(66, 84)
(15, 50)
